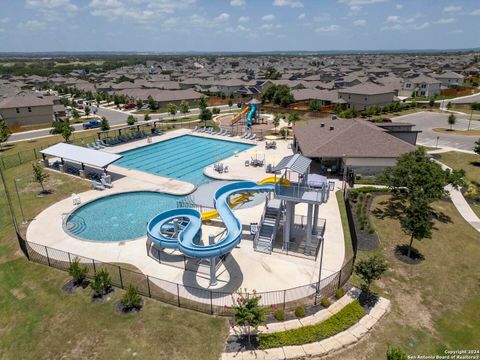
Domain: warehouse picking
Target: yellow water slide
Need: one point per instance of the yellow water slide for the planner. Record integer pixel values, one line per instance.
(212, 214)
(239, 115)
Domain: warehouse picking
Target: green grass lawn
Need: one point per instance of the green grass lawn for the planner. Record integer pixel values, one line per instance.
(39, 321)
(435, 303)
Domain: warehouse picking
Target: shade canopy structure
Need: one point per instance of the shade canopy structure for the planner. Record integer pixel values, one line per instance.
(316, 180)
(81, 155)
(297, 163)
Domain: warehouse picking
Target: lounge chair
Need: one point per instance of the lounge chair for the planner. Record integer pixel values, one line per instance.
(99, 144)
(105, 184)
(244, 136)
(93, 146)
(253, 137)
(225, 169)
(248, 137)
(97, 186)
(247, 163)
(195, 129)
(269, 168)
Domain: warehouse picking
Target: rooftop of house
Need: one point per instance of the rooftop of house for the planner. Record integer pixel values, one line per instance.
(348, 138)
(367, 88)
(25, 101)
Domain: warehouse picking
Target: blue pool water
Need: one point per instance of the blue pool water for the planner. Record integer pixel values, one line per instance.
(183, 157)
(118, 217)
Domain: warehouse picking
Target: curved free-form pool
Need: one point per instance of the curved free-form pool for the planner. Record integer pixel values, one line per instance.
(118, 217)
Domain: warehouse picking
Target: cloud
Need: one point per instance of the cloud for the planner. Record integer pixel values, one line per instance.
(136, 11)
(269, 17)
(270, 26)
(237, 3)
(457, 31)
(53, 10)
(329, 28)
(398, 6)
(301, 16)
(360, 22)
(475, 12)
(32, 25)
(446, 21)
(222, 17)
(4, 20)
(243, 19)
(322, 17)
(356, 5)
(397, 23)
(452, 8)
(289, 3)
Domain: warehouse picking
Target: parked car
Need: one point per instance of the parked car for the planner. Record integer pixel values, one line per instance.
(92, 124)
(129, 106)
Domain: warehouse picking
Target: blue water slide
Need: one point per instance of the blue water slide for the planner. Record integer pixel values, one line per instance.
(250, 114)
(187, 240)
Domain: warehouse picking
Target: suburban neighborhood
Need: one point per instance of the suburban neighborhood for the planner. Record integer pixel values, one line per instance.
(237, 179)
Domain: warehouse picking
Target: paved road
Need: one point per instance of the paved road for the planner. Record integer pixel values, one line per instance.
(115, 117)
(426, 121)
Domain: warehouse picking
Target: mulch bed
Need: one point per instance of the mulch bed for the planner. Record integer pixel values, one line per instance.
(415, 258)
(71, 288)
(236, 343)
(365, 240)
(104, 297)
(121, 310)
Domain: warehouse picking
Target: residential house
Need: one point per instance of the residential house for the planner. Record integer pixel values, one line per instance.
(450, 79)
(27, 110)
(421, 86)
(360, 97)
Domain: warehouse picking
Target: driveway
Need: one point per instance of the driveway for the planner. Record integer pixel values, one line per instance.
(426, 121)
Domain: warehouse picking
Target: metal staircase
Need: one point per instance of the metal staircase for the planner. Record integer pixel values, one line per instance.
(268, 226)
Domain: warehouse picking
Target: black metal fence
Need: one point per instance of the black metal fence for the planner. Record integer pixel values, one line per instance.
(194, 298)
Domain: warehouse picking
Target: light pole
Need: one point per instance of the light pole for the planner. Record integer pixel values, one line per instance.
(20, 202)
(436, 144)
(470, 121)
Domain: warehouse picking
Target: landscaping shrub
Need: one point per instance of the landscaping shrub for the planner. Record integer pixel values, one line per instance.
(325, 302)
(300, 311)
(131, 299)
(339, 322)
(395, 353)
(339, 293)
(77, 272)
(279, 315)
(101, 283)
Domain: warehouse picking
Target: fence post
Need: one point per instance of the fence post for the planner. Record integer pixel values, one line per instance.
(69, 259)
(284, 299)
(35, 153)
(211, 302)
(3, 163)
(19, 158)
(120, 273)
(148, 287)
(178, 295)
(339, 278)
(94, 267)
(48, 257)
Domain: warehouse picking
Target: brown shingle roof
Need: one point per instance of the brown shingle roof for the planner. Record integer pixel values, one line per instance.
(367, 88)
(24, 101)
(348, 138)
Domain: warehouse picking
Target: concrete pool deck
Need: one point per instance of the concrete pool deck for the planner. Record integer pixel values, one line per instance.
(245, 268)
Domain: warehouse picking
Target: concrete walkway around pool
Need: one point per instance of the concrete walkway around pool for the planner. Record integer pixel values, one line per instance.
(245, 268)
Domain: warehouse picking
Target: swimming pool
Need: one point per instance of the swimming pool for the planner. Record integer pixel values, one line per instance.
(183, 157)
(118, 217)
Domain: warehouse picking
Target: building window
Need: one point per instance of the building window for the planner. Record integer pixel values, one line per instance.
(17, 110)
(29, 109)
(408, 85)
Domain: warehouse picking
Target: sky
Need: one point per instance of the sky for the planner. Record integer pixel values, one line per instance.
(237, 25)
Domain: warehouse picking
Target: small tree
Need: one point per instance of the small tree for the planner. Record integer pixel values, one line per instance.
(75, 115)
(203, 103)
(476, 149)
(146, 117)
(314, 105)
(184, 107)
(67, 131)
(216, 111)
(395, 353)
(248, 313)
(77, 272)
(449, 105)
(4, 132)
(87, 110)
(104, 124)
(230, 104)
(369, 270)
(451, 121)
(131, 120)
(416, 221)
(172, 109)
(431, 103)
(292, 118)
(131, 299)
(276, 120)
(205, 116)
(139, 104)
(39, 175)
(152, 104)
(102, 283)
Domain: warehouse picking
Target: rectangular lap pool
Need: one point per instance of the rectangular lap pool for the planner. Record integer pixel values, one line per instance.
(183, 157)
